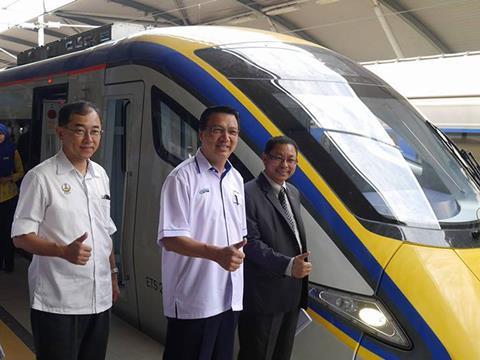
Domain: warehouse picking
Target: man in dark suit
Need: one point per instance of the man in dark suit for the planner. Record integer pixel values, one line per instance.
(276, 265)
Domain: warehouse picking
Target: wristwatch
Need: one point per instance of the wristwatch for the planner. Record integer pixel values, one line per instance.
(115, 270)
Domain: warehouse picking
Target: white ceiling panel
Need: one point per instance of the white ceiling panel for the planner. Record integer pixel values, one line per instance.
(350, 27)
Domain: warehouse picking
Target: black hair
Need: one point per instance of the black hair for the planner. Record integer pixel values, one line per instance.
(77, 108)
(223, 109)
(279, 140)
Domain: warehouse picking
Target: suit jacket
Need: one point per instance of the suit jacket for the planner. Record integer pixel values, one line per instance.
(271, 244)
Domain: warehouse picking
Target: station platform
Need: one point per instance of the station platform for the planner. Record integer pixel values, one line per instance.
(125, 342)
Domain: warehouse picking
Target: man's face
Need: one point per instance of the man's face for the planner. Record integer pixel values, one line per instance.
(280, 163)
(220, 138)
(2, 138)
(81, 136)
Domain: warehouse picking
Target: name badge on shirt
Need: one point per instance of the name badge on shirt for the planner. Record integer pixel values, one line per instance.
(204, 191)
(236, 197)
(66, 188)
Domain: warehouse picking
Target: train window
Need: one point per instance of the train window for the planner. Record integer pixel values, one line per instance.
(174, 129)
(271, 61)
(368, 143)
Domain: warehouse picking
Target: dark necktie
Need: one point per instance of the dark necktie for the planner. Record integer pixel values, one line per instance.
(282, 197)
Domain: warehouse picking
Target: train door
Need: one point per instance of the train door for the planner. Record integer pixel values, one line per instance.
(47, 101)
(170, 136)
(123, 106)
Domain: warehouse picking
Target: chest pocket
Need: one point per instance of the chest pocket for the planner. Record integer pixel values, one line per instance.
(203, 199)
(105, 210)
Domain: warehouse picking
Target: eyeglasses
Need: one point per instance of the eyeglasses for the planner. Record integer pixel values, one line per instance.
(281, 159)
(81, 132)
(218, 130)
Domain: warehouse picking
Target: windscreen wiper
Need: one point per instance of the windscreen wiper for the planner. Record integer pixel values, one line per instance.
(470, 160)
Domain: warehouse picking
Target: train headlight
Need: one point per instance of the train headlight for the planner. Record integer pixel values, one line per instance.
(364, 312)
(372, 317)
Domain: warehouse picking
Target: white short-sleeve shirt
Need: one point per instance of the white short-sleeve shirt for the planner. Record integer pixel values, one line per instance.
(199, 203)
(59, 204)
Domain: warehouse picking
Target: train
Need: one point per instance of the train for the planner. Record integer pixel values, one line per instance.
(390, 204)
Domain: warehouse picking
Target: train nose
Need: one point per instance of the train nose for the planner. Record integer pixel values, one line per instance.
(442, 291)
(471, 258)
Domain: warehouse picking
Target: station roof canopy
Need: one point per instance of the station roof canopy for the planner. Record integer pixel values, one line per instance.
(364, 30)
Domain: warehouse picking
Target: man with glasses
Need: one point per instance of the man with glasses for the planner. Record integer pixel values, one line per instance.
(201, 232)
(63, 219)
(276, 265)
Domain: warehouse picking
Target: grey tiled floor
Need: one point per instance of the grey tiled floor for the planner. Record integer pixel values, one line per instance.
(125, 343)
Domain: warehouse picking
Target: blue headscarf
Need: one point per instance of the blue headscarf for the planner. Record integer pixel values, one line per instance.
(7, 153)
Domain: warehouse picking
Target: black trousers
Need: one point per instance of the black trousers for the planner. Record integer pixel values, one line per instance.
(267, 336)
(70, 337)
(7, 250)
(201, 339)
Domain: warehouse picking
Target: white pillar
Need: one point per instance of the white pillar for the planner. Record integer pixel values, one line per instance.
(41, 31)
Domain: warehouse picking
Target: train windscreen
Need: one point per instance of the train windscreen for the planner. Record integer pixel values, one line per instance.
(369, 144)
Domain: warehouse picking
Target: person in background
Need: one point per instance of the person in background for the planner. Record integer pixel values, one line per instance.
(276, 265)
(63, 219)
(201, 231)
(11, 171)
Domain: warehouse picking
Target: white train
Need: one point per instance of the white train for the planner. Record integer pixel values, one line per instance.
(390, 206)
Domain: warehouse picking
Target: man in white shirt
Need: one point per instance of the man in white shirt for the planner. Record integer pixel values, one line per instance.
(63, 219)
(201, 230)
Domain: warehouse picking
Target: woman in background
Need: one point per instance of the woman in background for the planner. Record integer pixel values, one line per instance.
(11, 170)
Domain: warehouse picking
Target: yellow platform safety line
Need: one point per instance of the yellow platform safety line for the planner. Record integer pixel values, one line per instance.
(382, 248)
(344, 338)
(13, 347)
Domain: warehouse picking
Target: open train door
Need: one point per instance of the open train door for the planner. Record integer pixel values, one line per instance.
(123, 107)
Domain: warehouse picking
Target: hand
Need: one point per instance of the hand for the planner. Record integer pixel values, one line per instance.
(77, 252)
(115, 288)
(231, 257)
(301, 267)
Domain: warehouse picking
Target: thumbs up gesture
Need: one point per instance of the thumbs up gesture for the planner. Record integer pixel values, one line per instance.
(231, 257)
(77, 252)
(301, 267)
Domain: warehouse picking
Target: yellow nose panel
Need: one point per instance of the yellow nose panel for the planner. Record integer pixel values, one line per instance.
(471, 258)
(444, 291)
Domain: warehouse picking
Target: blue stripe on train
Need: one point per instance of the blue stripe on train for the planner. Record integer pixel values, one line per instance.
(183, 70)
(190, 73)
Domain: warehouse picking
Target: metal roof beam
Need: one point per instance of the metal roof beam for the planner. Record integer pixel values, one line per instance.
(13, 52)
(49, 33)
(79, 18)
(291, 27)
(154, 12)
(181, 8)
(70, 22)
(417, 24)
(7, 62)
(17, 40)
(105, 18)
